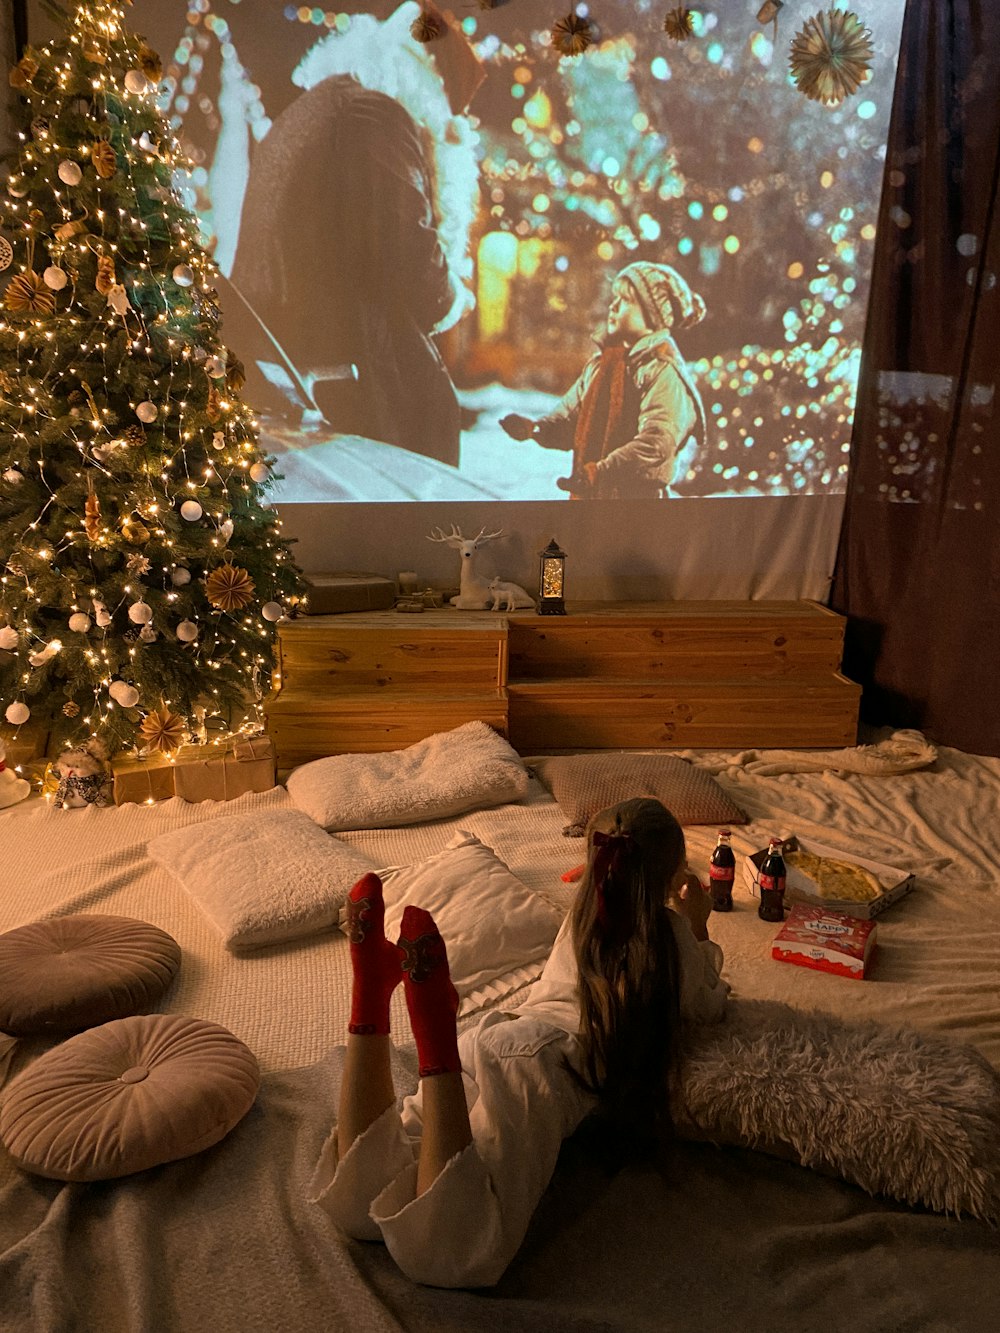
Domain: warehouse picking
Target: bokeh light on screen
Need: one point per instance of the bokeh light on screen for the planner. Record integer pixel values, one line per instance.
(700, 155)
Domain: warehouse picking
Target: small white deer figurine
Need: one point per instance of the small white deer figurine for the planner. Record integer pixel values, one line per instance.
(473, 592)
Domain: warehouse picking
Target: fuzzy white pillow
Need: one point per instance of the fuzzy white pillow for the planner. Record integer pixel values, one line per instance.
(492, 925)
(263, 878)
(449, 773)
(901, 1113)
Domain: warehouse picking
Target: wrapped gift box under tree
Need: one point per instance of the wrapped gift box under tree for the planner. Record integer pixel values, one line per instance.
(218, 771)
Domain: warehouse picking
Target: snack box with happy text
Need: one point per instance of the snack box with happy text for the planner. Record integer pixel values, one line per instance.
(825, 940)
(887, 884)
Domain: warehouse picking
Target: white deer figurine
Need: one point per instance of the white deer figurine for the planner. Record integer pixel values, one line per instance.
(473, 592)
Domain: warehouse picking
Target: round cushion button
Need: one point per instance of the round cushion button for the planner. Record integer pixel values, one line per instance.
(134, 1075)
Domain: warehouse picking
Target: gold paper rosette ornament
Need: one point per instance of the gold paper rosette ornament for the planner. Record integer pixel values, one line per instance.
(150, 63)
(572, 35)
(831, 56)
(162, 730)
(103, 157)
(427, 27)
(27, 294)
(23, 72)
(236, 375)
(229, 588)
(679, 24)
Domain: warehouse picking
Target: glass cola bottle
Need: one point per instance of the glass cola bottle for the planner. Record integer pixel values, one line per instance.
(722, 873)
(771, 882)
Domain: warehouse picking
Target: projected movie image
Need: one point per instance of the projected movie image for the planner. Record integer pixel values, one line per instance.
(473, 268)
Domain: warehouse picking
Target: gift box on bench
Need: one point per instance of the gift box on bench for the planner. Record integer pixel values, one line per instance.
(216, 772)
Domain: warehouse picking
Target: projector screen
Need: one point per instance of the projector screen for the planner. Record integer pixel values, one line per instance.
(470, 269)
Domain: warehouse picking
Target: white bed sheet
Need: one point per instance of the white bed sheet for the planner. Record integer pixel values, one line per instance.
(937, 966)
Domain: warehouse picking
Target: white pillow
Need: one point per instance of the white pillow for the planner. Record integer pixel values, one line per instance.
(263, 878)
(469, 768)
(492, 924)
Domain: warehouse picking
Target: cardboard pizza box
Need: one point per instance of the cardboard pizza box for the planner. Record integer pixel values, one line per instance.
(895, 883)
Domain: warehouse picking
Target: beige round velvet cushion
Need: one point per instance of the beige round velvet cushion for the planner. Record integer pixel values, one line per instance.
(73, 972)
(126, 1096)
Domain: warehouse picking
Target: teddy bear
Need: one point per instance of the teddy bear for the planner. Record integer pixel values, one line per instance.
(84, 776)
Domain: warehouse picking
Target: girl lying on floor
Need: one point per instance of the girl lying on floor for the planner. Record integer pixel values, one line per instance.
(449, 1181)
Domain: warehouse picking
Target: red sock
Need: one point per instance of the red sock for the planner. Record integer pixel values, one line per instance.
(430, 997)
(377, 972)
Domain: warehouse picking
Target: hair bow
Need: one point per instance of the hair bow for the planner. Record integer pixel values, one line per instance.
(609, 852)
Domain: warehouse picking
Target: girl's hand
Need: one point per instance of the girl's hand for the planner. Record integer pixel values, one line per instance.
(518, 427)
(694, 902)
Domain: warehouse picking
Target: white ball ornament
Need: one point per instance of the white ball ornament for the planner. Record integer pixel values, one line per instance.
(123, 693)
(55, 278)
(191, 510)
(136, 81)
(215, 367)
(272, 611)
(17, 714)
(8, 638)
(260, 472)
(146, 412)
(79, 623)
(140, 613)
(183, 275)
(180, 576)
(69, 172)
(187, 631)
(13, 477)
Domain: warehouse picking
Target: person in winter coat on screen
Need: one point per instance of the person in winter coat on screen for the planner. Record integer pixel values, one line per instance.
(634, 419)
(353, 241)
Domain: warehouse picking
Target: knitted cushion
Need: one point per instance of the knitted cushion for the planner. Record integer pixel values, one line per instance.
(73, 972)
(126, 1096)
(583, 784)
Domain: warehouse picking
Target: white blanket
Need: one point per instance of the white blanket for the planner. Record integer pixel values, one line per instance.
(902, 752)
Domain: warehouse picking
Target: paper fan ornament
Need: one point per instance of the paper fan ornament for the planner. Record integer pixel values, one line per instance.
(229, 587)
(162, 730)
(831, 57)
(27, 294)
(427, 27)
(679, 24)
(572, 35)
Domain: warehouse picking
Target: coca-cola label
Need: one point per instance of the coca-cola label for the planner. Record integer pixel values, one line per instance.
(773, 882)
(722, 872)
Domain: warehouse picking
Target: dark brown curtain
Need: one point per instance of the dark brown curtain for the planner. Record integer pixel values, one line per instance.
(918, 569)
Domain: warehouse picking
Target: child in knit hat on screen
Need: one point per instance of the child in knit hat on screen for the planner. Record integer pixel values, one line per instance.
(634, 417)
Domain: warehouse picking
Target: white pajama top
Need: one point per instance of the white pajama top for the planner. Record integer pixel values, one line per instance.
(523, 1102)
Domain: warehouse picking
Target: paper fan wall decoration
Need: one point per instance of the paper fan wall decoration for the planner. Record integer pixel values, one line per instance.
(572, 35)
(679, 23)
(831, 56)
(427, 27)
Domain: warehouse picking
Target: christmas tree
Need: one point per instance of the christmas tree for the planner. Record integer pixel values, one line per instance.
(143, 571)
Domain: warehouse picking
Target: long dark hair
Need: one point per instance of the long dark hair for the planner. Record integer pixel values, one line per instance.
(628, 966)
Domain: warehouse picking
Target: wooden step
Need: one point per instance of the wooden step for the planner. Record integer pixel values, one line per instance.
(307, 726)
(447, 651)
(677, 641)
(587, 714)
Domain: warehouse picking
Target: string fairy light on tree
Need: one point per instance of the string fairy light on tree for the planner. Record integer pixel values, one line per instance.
(139, 552)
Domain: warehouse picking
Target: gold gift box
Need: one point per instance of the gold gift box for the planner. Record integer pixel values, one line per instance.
(217, 772)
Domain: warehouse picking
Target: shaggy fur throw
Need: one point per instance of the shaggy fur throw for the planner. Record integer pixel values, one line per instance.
(901, 1113)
